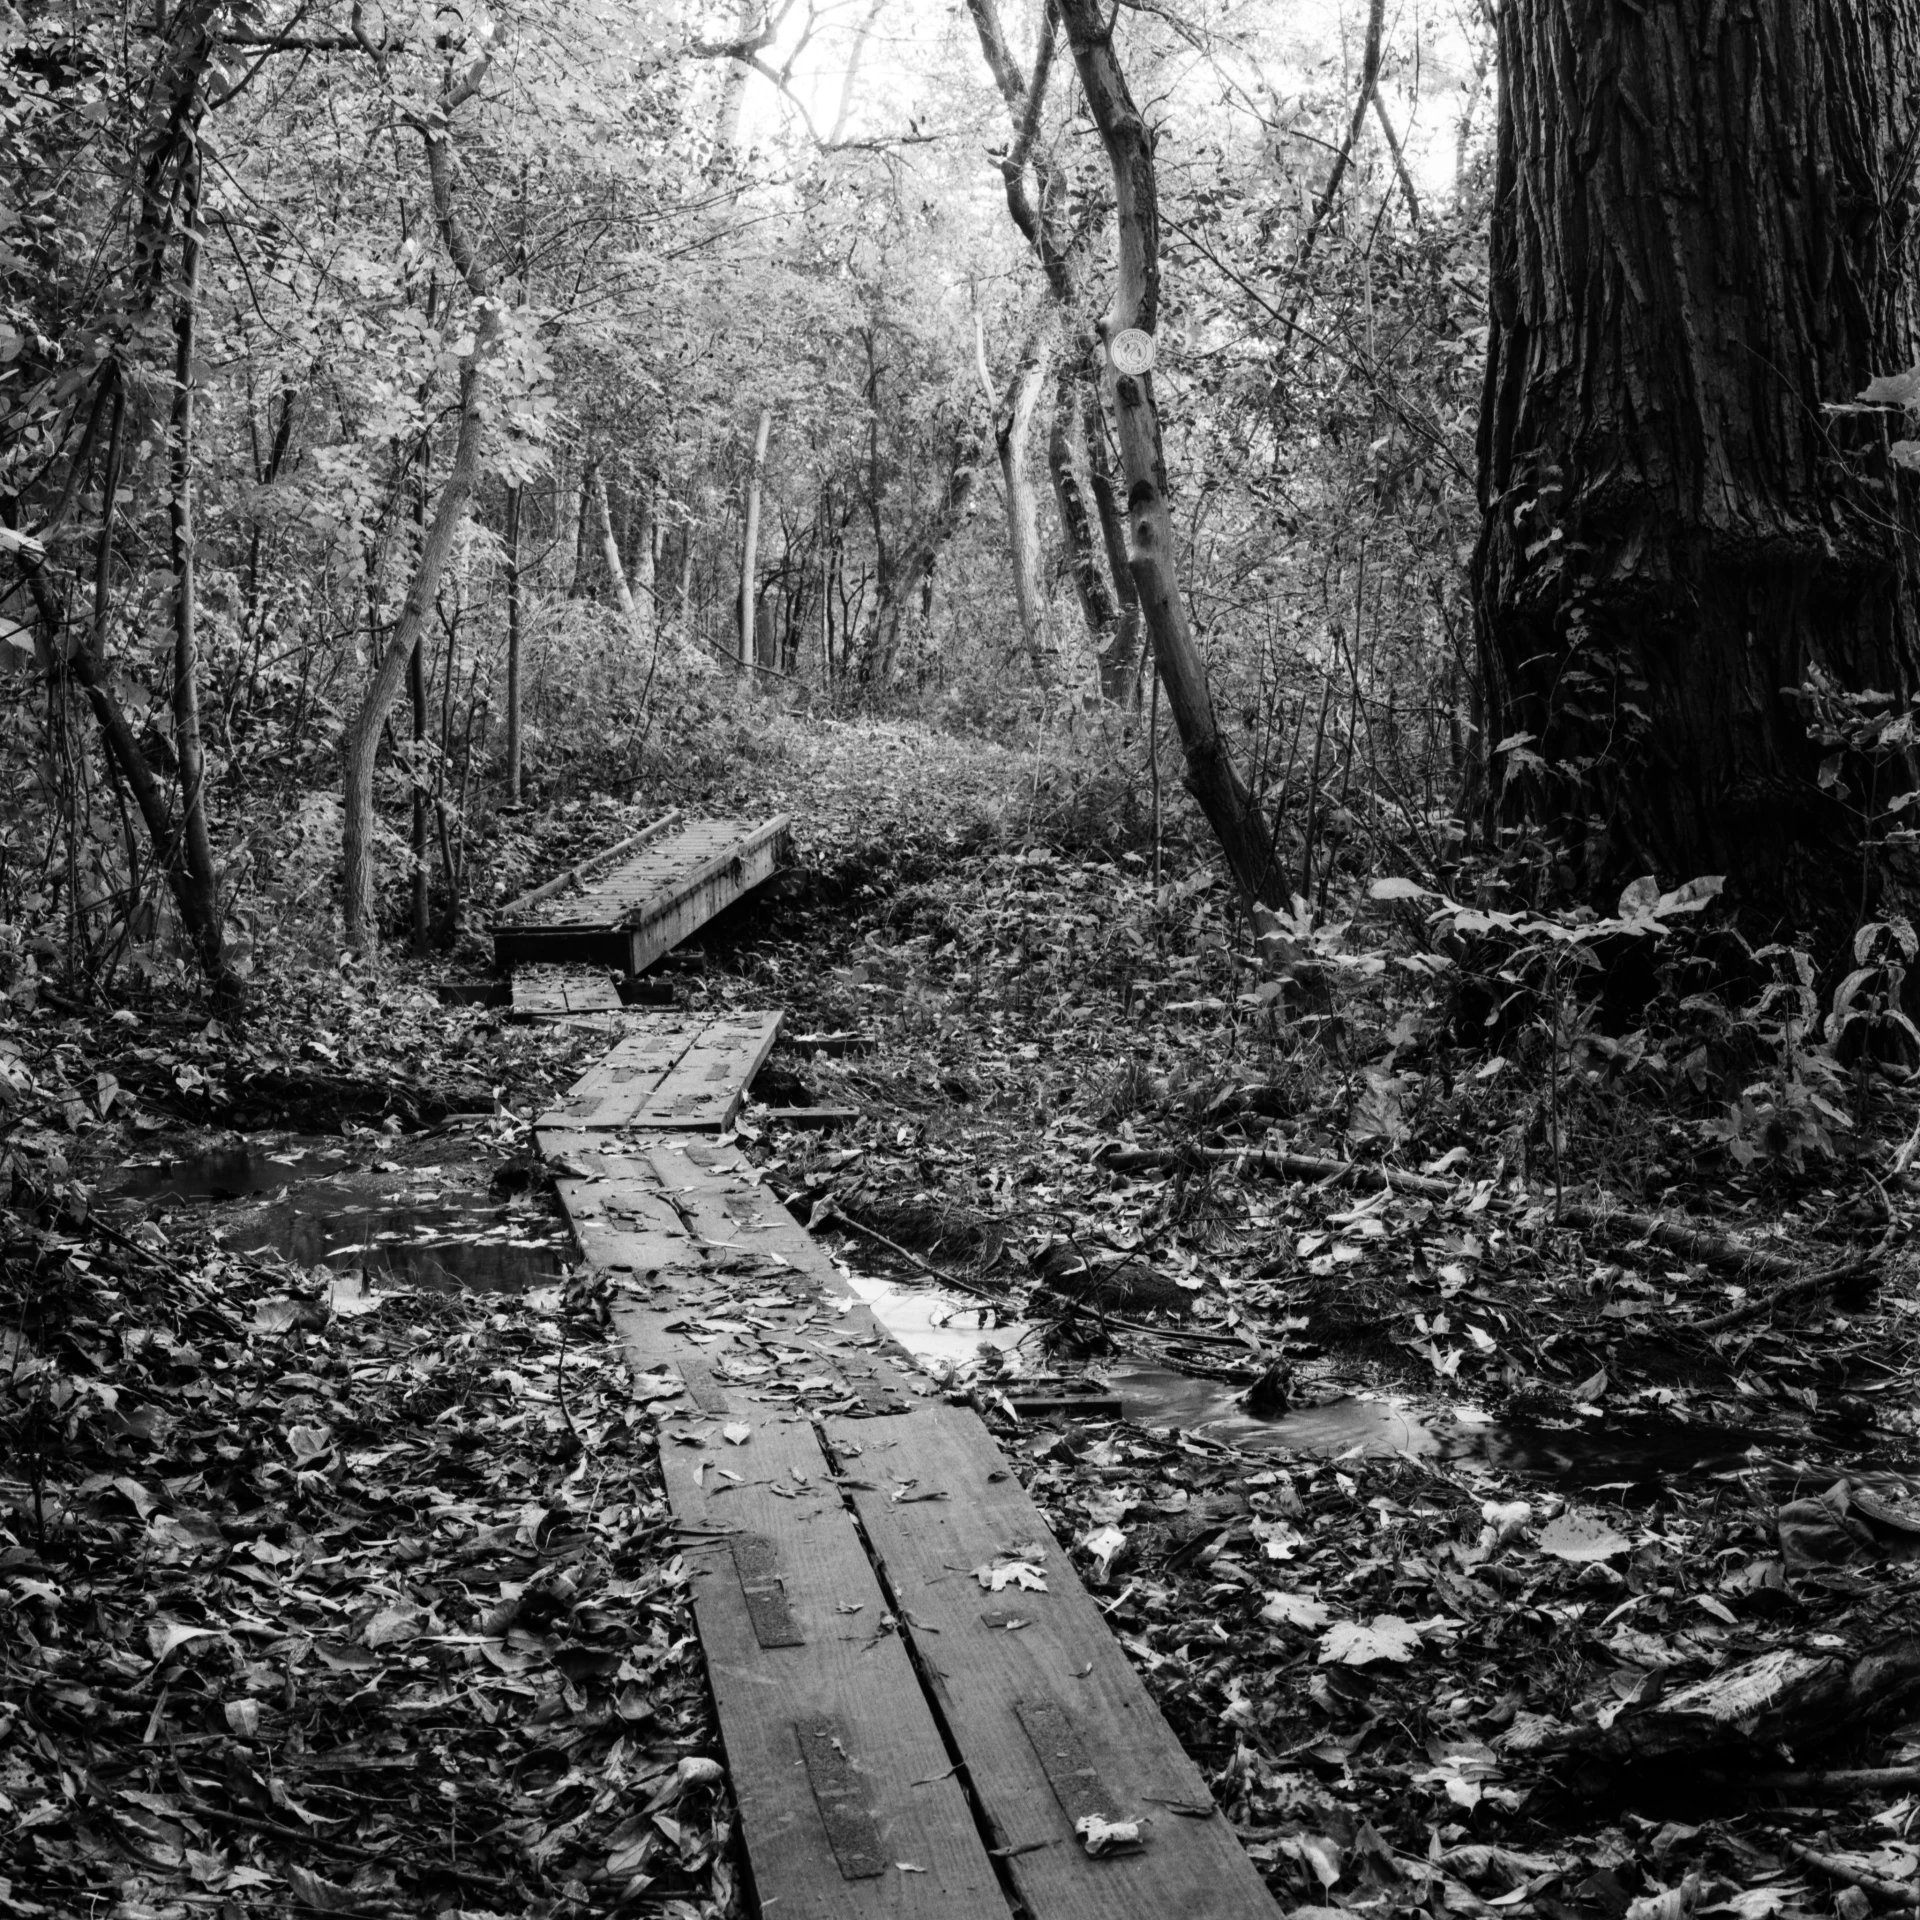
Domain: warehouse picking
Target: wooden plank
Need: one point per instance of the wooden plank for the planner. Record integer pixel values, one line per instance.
(707, 1085)
(608, 1093)
(725, 877)
(638, 909)
(553, 992)
(574, 876)
(1048, 1714)
(673, 1070)
(848, 1802)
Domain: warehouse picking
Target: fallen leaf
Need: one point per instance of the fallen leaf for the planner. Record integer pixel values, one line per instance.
(1349, 1644)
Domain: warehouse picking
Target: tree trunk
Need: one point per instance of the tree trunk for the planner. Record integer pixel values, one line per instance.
(1012, 430)
(516, 632)
(363, 734)
(1214, 781)
(750, 539)
(1702, 240)
(616, 569)
(195, 845)
(908, 579)
(418, 892)
(646, 544)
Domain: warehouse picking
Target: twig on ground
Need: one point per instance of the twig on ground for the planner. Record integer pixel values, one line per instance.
(293, 1837)
(913, 1259)
(1849, 1269)
(1294, 1166)
(1889, 1893)
(1802, 1780)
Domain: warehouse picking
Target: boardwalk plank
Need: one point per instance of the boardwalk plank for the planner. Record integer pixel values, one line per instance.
(553, 992)
(1051, 1717)
(848, 1802)
(629, 915)
(672, 1070)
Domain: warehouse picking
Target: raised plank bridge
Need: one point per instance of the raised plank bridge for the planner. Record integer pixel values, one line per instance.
(902, 1738)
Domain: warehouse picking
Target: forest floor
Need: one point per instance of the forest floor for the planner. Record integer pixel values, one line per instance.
(1442, 1516)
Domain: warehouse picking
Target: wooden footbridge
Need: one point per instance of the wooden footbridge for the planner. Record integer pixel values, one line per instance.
(923, 1710)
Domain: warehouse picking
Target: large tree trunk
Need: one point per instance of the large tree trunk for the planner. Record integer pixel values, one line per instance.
(1702, 239)
(1214, 781)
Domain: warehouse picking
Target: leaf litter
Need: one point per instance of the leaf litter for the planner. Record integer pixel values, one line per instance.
(1634, 1690)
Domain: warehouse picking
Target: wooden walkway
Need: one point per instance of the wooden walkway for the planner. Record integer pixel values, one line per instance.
(923, 1710)
(628, 906)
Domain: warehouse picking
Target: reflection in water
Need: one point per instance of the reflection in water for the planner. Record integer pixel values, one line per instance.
(1625, 1448)
(946, 1335)
(306, 1199)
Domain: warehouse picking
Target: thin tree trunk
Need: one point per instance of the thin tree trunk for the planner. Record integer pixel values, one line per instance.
(363, 734)
(1215, 782)
(417, 793)
(516, 629)
(1013, 429)
(1330, 193)
(645, 617)
(750, 538)
(195, 843)
(610, 548)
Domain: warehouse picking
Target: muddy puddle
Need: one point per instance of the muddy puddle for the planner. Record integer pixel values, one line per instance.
(946, 1335)
(327, 1204)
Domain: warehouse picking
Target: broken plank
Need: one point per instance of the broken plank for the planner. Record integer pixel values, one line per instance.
(848, 1802)
(1048, 1714)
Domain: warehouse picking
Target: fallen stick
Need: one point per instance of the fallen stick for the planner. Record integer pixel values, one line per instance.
(1294, 1166)
(1693, 1243)
(293, 1837)
(1803, 1780)
(1889, 1893)
(575, 874)
(913, 1259)
(1849, 1269)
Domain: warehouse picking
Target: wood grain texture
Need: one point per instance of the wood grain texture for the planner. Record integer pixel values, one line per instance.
(983, 1670)
(882, 1757)
(553, 992)
(639, 908)
(672, 1070)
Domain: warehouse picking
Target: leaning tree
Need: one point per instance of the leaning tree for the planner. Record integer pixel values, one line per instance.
(1696, 571)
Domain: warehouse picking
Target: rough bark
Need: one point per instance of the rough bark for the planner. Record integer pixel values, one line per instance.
(1702, 238)
(1211, 775)
(750, 539)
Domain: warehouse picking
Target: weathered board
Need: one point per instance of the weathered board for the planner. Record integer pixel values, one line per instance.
(849, 1801)
(629, 915)
(672, 1070)
(1044, 1706)
(551, 993)
(734, 1317)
